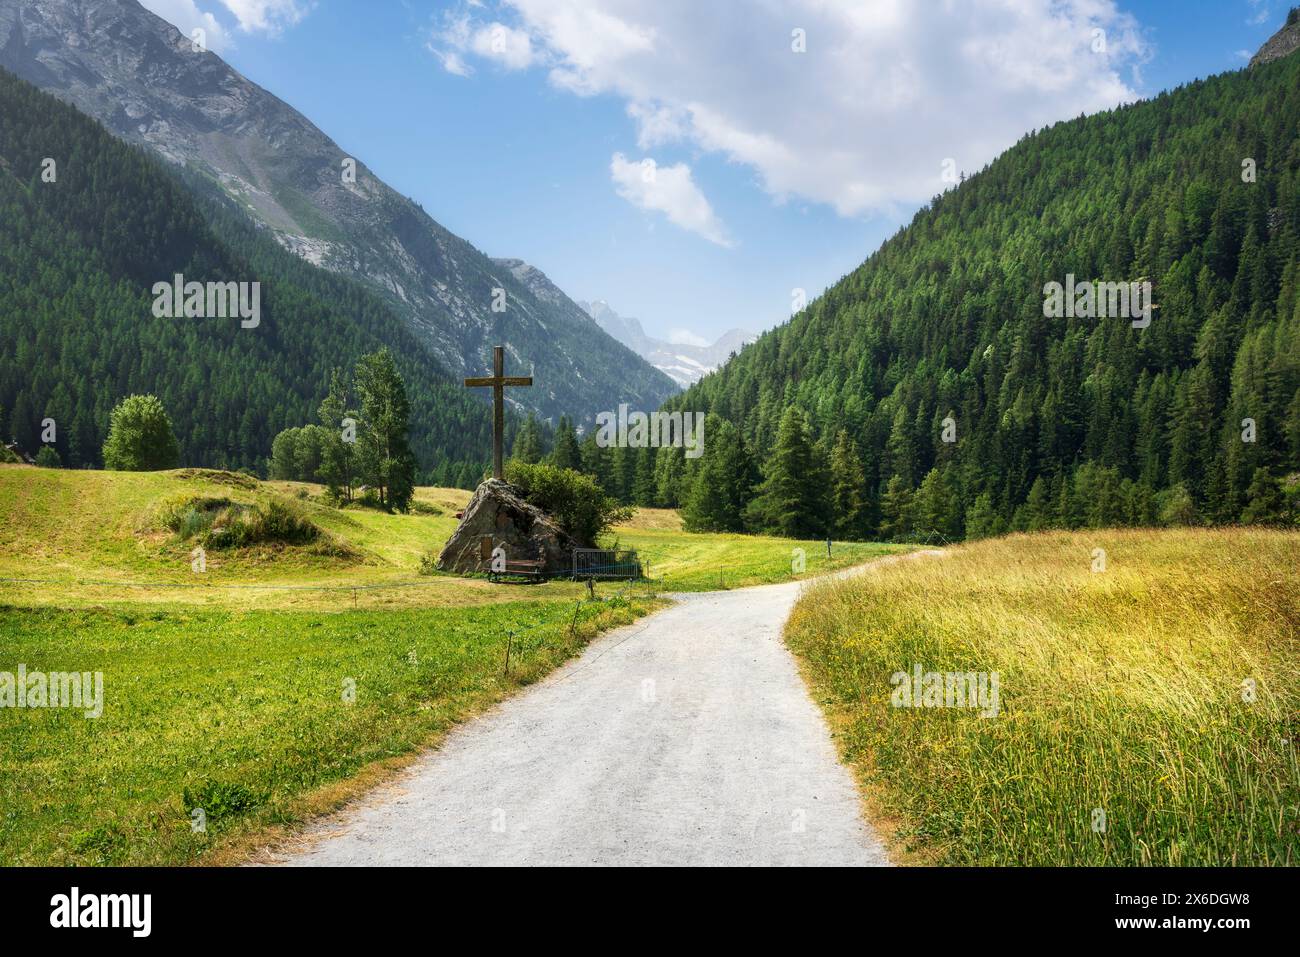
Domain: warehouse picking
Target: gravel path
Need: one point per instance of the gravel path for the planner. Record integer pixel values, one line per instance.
(686, 738)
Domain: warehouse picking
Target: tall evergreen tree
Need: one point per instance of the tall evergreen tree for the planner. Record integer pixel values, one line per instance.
(567, 454)
(643, 478)
(789, 501)
(596, 462)
(1264, 501)
(384, 453)
(724, 484)
(670, 474)
(339, 457)
(936, 507)
(896, 510)
(848, 507)
(982, 519)
(528, 442)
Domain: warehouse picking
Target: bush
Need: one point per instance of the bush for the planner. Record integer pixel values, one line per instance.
(297, 454)
(574, 500)
(279, 522)
(48, 458)
(140, 437)
(189, 516)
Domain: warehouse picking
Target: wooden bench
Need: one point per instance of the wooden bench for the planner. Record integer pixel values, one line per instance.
(526, 568)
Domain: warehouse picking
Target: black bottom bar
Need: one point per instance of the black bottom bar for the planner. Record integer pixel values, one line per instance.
(976, 905)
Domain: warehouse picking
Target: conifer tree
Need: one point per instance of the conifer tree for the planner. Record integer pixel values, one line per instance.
(670, 473)
(982, 519)
(789, 500)
(567, 454)
(1038, 507)
(896, 510)
(340, 420)
(596, 462)
(723, 484)
(1264, 501)
(528, 442)
(643, 478)
(384, 455)
(848, 507)
(936, 507)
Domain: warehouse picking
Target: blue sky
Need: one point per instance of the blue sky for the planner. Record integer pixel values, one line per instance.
(687, 162)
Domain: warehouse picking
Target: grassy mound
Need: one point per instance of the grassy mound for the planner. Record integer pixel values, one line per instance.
(1148, 697)
(220, 523)
(217, 477)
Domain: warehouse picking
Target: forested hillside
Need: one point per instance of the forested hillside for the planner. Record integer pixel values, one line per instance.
(142, 78)
(1057, 421)
(78, 258)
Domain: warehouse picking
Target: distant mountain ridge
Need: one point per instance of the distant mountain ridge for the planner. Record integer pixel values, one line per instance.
(143, 79)
(684, 362)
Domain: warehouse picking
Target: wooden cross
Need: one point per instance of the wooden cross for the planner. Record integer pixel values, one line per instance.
(498, 381)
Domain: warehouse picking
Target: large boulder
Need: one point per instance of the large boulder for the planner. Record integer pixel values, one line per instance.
(497, 515)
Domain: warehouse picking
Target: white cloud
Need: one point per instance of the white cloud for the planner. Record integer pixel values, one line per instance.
(657, 125)
(451, 61)
(669, 190)
(460, 36)
(509, 47)
(684, 337)
(266, 16)
(1259, 12)
(185, 16)
(864, 119)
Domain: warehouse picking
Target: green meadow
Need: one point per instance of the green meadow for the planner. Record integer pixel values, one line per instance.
(261, 718)
(100, 536)
(284, 679)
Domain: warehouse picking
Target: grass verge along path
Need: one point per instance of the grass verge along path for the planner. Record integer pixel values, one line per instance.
(1149, 713)
(245, 715)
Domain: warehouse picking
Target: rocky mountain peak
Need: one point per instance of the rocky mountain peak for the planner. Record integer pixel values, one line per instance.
(148, 83)
(1283, 43)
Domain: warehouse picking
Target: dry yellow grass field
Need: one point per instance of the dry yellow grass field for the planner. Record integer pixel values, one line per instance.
(1149, 712)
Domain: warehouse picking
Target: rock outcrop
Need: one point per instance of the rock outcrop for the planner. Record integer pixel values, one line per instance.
(499, 516)
(1283, 43)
